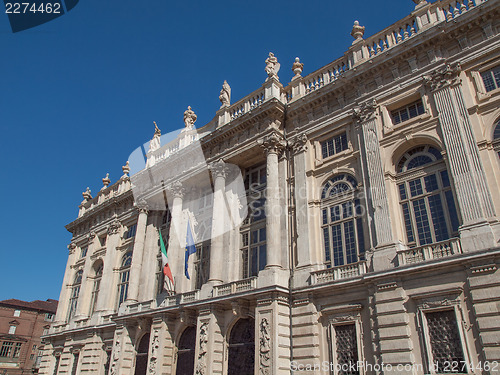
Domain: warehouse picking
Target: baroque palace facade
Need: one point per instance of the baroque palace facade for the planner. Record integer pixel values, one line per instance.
(370, 232)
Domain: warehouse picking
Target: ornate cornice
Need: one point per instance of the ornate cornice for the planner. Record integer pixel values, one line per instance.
(365, 111)
(445, 76)
(114, 227)
(273, 143)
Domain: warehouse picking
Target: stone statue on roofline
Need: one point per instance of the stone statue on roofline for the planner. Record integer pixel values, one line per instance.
(225, 95)
(155, 142)
(189, 118)
(272, 66)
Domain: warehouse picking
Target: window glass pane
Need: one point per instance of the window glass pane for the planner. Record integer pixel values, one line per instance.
(350, 242)
(255, 265)
(438, 220)
(326, 240)
(422, 221)
(338, 255)
(418, 161)
(489, 83)
(325, 216)
(445, 179)
(255, 236)
(412, 109)
(402, 191)
(335, 213)
(346, 209)
(431, 183)
(404, 115)
(346, 348)
(361, 239)
(416, 187)
(408, 225)
(262, 234)
(452, 210)
(262, 257)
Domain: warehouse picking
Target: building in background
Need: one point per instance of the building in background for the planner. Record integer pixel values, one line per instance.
(371, 229)
(21, 326)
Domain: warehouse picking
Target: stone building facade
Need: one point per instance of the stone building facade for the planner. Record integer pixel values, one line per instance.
(22, 324)
(370, 231)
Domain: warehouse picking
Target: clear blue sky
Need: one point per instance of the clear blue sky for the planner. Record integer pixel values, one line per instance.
(81, 92)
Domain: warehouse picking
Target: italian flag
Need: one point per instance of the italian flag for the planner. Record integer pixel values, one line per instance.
(166, 268)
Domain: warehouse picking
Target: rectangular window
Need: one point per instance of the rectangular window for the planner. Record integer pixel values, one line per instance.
(491, 79)
(17, 350)
(346, 349)
(6, 349)
(17, 313)
(83, 252)
(446, 345)
(407, 112)
(12, 330)
(123, 286)
(131, 231)
(334, 145)
(49, 317)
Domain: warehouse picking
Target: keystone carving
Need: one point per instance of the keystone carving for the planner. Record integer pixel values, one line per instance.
(366, 111)
(447, 75)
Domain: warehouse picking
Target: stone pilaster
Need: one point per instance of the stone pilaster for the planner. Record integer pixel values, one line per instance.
(272, 340)
(150, 258)
(378, 205)
(62, 308)
(209, 343)
(106, 300)
(82, 308)
(473, 195)
(219, 172)
(137, 254)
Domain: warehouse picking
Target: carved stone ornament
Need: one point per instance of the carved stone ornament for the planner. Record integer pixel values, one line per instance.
(298, 144)
(447, 75)
(357, 32)
(437, 303)
(225, 95)
(114, 227)
(153, 358)
(272, 66)
(201, 365)
(155, 144)
(219, 169)
(126, 170)
(264, 348)
(91, 235)
(297, 68)
(366, 111)
(116, 358)
(71, 248)
(105, 181)
(87, 195)
(176, 189)
(273, 143)
(189, 118)
(142, 205)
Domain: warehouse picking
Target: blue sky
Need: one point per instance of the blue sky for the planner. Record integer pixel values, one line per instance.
(81, 92)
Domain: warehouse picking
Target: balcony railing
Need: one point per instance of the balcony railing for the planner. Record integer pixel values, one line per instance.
(431, 251)
(338, 273)
(235, 287)
(179, 299)
(138, 307)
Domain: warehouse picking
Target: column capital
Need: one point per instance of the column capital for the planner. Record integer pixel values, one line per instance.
(142, 206)
(298, 143)
(219, 168)
(445, 76)
(365, 111)
(176, 189)
(114, 227)
(273, 143)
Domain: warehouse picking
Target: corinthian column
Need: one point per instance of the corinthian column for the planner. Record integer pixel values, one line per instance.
(135, 267)
(273, 145)
(379, 207)
(174, 251)
(62, 308)
(219, 172)
(473, 195)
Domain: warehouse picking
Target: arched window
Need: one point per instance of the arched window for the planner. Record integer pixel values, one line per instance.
(97, 285)
(496, 138)
(141, 358)
(341, 221)
(426, 197)
(75, 292)
(242, 348)
(185, 352)
(124, 277)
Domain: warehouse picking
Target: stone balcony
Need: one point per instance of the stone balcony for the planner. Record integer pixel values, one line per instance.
(338, 273)
(428, 252)
(235, 287)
